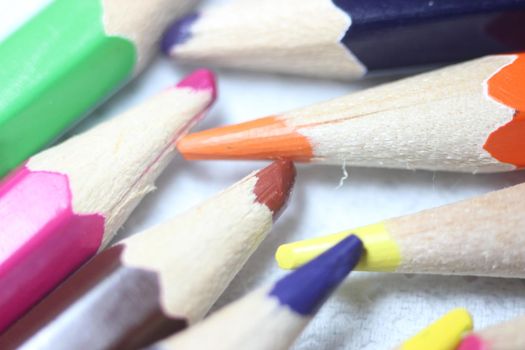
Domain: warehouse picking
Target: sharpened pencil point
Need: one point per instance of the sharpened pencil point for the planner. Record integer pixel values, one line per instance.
(305, 289)
(274, 184)
(264, 138)
(200, 79)
(178, 33)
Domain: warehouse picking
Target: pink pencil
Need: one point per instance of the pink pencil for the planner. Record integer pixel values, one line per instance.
(66, 203)
(504, 336)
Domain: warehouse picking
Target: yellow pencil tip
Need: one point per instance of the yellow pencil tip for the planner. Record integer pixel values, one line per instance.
(444, 334)
(284, 257)
(381, 250)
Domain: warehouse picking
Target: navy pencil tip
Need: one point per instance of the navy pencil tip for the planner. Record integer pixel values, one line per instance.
(178, 33)
(306, 289)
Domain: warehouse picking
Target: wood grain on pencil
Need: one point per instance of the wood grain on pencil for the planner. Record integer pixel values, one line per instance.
(159, 281)
(67, 202)
(345, 39)
(272, 317)
(482, 236)
(467, 117)
(66, 60)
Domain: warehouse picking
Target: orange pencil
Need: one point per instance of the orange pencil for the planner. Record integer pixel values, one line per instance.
(468, 117)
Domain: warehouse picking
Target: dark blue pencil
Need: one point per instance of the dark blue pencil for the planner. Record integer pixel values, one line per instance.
(345, 39)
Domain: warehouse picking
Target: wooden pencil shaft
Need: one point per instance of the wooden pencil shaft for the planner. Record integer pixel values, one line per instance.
(482, 236)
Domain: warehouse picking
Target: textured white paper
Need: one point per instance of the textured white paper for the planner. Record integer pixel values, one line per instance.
(371, 310)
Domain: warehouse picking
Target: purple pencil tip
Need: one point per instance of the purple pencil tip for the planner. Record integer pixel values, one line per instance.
(306, 289)
(178, 33)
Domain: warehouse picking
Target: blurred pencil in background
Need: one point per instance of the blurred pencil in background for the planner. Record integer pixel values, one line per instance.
(508, 335)
(67, 202)
(67, 59)
(345, 39)
(444, 334)
(272, 317)
(159, 281)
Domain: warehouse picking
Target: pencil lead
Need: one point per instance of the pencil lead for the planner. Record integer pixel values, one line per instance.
(297, 290)
(265, 138)
(274, 184)
(178, 33)
(200, 79)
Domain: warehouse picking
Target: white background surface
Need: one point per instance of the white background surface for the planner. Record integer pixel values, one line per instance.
(370, 310)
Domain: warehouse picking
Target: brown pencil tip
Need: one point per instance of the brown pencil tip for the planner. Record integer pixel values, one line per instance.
(274, 184)
(265, 138)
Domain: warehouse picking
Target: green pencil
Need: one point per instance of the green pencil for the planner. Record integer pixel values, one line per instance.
(67, 59)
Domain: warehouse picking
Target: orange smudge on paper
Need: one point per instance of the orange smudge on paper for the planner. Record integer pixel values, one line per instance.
(507, 143)
(265, 138)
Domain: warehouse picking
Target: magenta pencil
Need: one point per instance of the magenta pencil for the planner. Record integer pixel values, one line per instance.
(66, 203)
(159, 281)
(503, 336)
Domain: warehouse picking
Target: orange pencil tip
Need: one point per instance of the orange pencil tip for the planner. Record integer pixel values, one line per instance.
(266, 138)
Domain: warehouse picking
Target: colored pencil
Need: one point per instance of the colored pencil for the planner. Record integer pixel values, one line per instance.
(444, 334)
(67, 202)
(482, 236)
(272, 317)
(68, 58)
(504, 336)
(159, 281)
(345, 39)
(468, 117)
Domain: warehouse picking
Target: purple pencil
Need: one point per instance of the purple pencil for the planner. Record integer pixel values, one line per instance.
(273, 316)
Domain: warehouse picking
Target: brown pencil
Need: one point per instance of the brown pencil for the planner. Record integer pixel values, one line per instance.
(157, 282)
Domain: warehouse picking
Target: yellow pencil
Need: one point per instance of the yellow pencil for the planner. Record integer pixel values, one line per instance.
(483, 236)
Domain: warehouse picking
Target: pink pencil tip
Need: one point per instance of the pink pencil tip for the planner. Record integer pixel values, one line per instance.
(201, 79)
(473, 342)
(274, 184)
